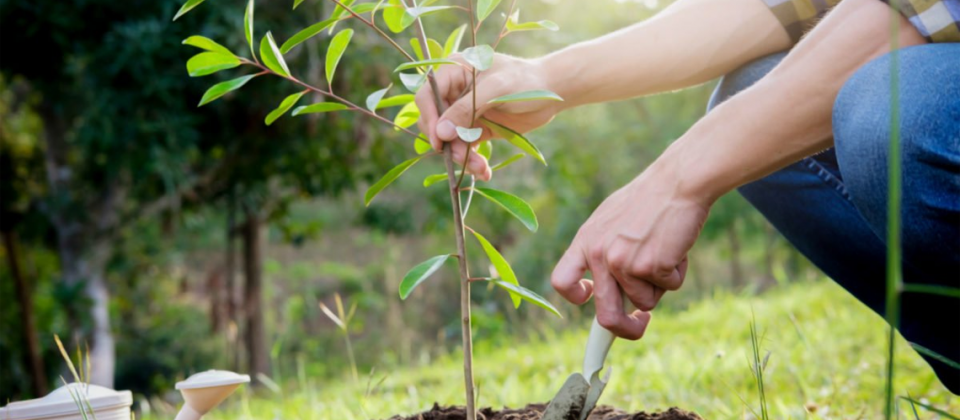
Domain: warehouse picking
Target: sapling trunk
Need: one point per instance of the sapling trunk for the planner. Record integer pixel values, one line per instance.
(454, 184)
(273, 63)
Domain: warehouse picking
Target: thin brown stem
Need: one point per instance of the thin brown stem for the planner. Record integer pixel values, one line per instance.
(466, 157)
(353, 106)
(473, 92)
(465, 325)
(376, 28)
(503, 29)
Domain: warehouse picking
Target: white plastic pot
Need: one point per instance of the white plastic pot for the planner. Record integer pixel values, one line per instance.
(106, 403)
(201, 392)
(205, 390)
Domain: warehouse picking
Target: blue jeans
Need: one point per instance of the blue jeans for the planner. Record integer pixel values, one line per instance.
(832, 206)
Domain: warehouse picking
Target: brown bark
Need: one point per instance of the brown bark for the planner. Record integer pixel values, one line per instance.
(215, 292)
(82, 251)
(32, 356)
(256, 341)
(231, 295)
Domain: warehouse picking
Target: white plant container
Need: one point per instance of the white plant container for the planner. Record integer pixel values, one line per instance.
(106, 404)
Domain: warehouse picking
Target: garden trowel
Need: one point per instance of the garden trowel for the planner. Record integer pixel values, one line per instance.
(580, 392)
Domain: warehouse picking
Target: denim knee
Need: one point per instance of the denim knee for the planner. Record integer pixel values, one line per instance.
(929, 85)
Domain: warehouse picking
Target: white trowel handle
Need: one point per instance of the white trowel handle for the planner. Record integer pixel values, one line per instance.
(598, 344)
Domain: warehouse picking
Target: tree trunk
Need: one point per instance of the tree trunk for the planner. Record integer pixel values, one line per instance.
(32, 357)
(256, 340)
(82, 259)
(736, 270)
(215, 293)
(76, 267)
(231, 296)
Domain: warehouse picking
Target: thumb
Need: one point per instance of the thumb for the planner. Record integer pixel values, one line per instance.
(460, 114)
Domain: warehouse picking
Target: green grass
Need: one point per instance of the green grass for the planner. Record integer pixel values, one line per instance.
(827, 351)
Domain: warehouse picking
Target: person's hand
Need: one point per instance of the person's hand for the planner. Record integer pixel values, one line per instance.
(454, 83)
(636, 241)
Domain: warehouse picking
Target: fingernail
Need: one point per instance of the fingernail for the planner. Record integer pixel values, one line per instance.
(446, 130)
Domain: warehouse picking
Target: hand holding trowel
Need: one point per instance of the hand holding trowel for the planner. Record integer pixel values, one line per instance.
(581, 391)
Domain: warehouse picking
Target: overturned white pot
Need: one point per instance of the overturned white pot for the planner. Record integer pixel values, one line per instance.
(201, 393)
(62, 404)
(205, 390)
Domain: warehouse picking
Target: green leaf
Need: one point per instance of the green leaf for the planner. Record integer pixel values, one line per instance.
(387, 179)
(407, 116)
(512, 204)
(339, 12)
(188, 6)
(929, 407)
(501, 264)
(516, 139)
(412, 81)
(513, 24)
(421, 145)
(337, 46)
(296, 3)
(533, 26)
(364, 8)
(435, 178)
(452, 45)
(319, 107)
(932, 289)
(417, 51)
(208, 44)
(436, 50)
(305, 34)
(393, 16)
(469, 135)
(223, 88)
(373, 16)
(507, 162)
(433, 47)
(272, 57)
(285, 106)
(424, 63)
(485, 7)
(419, 273)
(528, 295)
(932, 354)
(373, 101)
(248, 28)
(485, 149)
(210, 62)
(413, 13)
(480, 57)
(530, 95)
(397, 100)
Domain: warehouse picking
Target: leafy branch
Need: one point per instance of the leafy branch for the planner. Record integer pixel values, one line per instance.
(428, 56)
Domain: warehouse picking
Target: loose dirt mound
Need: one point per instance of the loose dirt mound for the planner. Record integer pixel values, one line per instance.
(534, 411)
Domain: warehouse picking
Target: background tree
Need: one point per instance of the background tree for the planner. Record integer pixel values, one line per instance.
(122, 142)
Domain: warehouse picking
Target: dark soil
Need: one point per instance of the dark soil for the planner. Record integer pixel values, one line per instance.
(534, 411)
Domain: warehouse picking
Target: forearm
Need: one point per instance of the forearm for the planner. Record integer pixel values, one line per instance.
(787, 115)
(691, 42)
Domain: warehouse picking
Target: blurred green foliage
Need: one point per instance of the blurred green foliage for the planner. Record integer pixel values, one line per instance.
(112, 79)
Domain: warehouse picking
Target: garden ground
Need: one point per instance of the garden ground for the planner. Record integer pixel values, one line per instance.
(826, 361)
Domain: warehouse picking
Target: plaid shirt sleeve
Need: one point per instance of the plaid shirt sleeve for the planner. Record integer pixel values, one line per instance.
(937, 20)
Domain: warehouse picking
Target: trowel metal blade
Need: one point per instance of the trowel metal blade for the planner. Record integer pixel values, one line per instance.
(569, 401)
(593, 395)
